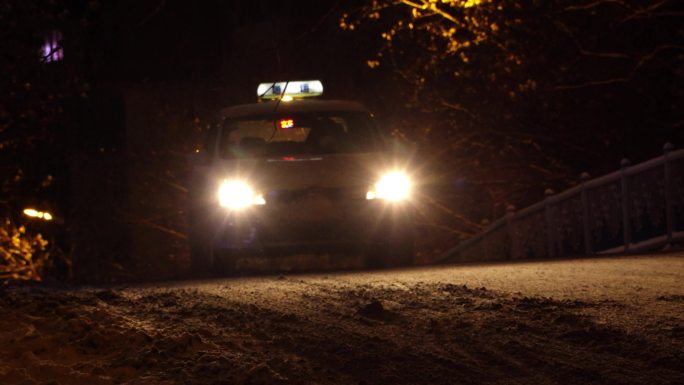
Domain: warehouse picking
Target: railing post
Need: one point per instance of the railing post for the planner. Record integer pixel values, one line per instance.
(669, 208)
(588, 244)
(550, 228)
(624, 191)
(510, 226)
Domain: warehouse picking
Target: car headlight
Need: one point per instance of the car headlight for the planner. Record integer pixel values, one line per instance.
(237, 195)
(393, 186)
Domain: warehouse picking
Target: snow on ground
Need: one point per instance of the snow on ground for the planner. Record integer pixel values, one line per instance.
(588, 321)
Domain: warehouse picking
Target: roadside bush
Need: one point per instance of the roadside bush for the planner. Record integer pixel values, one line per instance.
(23, 256)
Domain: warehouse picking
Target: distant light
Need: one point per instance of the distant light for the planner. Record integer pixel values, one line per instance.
(52, 50)
(287, 98)
(286, 123)
(33, 213)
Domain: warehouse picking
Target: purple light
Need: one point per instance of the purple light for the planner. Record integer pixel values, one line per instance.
(52, 49)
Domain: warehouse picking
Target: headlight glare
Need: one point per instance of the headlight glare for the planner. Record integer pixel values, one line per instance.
(393, 186)
(237, 195)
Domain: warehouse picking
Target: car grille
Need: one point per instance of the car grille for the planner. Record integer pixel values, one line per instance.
(338, 194)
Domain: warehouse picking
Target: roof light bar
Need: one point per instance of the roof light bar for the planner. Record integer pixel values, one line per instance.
(33, 213)
(292, 89)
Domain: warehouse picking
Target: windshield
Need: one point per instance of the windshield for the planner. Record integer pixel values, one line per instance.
(300, 134)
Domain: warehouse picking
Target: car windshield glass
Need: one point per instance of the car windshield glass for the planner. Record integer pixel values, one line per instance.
(301, 134)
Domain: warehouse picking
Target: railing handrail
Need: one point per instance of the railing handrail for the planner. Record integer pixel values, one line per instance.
(554, 199)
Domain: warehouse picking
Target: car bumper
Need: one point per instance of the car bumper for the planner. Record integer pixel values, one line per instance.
(321, 226)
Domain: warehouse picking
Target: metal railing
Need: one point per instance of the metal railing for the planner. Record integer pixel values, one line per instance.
(636, 208)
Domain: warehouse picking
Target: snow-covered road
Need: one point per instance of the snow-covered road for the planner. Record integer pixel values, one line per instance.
(603, 321)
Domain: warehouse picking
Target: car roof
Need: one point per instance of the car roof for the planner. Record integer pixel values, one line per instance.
(295, 106)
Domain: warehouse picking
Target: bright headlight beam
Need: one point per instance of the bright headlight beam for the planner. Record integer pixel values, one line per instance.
(393, 186)
(235, 195)
(259, 200)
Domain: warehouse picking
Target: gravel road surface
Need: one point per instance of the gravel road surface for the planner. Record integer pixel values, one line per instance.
(617, 320)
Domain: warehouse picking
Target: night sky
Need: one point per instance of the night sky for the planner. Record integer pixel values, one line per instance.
(240, 42)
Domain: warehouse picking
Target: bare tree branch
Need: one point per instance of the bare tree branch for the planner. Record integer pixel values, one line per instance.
(152, 14)
(166, 230)
(623, 79)
(585, 52)
(599, 3)
(459, 108)
(640, 13)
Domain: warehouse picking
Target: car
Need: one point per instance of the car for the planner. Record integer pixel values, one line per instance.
(295, 173)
